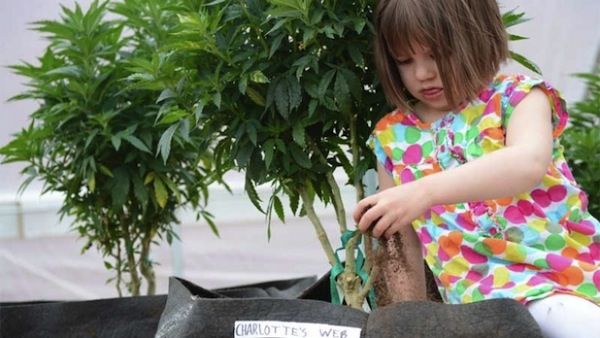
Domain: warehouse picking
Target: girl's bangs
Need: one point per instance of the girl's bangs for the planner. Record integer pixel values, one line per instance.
(404, 29)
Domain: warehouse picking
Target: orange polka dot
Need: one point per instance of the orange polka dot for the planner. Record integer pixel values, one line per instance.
(444, 279)
(573, 274)
(558, 278)
(587, 266)
(456, 237)
(504, 201)
(497, 246)
(495, 133)
(449, 247)
(570, 252)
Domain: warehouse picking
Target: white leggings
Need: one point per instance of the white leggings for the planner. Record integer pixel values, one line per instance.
(566, 316)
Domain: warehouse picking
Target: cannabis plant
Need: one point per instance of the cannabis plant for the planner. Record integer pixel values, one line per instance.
(123, 159)
(582, 141)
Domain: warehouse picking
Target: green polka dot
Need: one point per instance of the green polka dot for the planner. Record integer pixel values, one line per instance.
(418, 174)
(460, 288)
(502, 221)
(554, 242)
(471, 238)
(474, 150)
(427, 149)
(472, 133)
(412, 135)
(575, 216)
(397, 154)
(477, 296)
(441, 136)
(537, 292)
(458, 138)
(588, 289)
(514, 235)
(538, 246)
(541, 263)
(483, 249)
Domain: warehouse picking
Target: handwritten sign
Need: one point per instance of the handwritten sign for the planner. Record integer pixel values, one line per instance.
(278, 329)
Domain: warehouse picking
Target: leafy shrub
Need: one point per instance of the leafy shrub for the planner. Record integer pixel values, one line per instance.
(582, 141)
(123, 159)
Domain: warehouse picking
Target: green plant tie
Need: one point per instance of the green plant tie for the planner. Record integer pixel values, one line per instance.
(339, 268)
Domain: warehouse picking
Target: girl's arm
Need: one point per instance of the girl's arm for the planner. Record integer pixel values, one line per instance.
(402, 261)
(514, 169)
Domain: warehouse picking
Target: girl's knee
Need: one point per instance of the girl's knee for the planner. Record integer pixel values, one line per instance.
(562, 316)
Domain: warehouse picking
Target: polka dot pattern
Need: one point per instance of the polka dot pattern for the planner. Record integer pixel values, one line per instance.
(524, 247)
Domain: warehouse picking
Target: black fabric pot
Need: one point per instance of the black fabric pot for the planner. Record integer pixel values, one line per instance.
(121, 317)
(118, 317)
(188, 314)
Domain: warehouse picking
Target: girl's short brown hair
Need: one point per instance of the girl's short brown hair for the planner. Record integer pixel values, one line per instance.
(467, 39)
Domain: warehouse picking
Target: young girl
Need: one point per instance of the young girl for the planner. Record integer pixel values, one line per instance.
(473, 162)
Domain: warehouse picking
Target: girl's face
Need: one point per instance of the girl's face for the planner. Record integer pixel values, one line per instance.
(419, 74)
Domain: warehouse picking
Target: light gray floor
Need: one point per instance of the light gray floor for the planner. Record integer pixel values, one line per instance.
(51, 268)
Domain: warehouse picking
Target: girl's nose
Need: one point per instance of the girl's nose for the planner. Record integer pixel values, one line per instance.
(425, 70)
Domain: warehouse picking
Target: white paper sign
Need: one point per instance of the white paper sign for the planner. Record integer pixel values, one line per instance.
(277, 329)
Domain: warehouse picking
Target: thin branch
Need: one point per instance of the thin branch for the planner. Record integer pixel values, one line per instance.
(364, 291)
(321, 235)
(338, 203)
(360, 191)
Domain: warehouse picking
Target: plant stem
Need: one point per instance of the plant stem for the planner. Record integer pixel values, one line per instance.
(119, 265)
(338, 203)
(134, 285)
(360, 191)
(321, 235)
(146, 265)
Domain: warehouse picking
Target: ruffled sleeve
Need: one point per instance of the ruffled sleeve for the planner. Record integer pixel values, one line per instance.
(518, 86)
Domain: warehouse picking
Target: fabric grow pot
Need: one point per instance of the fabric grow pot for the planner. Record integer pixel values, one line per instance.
(189, 315)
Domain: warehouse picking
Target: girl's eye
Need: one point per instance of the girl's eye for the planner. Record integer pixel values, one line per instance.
(403, 61)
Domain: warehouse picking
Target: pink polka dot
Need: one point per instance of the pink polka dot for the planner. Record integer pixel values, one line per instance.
(558, 263)
(389, 166)
(465, 222)
(564, 169)
(583, 227)
(525, 207)
(541, 197)
(595, 251)
(413, 154)
(585, 257)
(584, 200)
(517, 267)
(406, 176)
(473, 276)
(557, 193)
(443, 256)
(472, 256)
(536, 280)
(489, 280)
(424, 236)
(514, 215)
(516, 98)
(438, 209)
(485, 289)
(597, 279)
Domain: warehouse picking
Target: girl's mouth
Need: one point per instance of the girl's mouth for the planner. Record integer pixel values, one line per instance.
(432, 93)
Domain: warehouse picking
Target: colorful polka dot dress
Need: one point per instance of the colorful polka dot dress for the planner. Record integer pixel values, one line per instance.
(524, 247)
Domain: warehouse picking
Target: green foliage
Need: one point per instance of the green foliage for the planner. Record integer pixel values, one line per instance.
(113, 131)
(513, 18)
(582, 141)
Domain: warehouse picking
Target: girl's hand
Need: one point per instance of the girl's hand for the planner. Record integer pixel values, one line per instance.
(386, 212)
